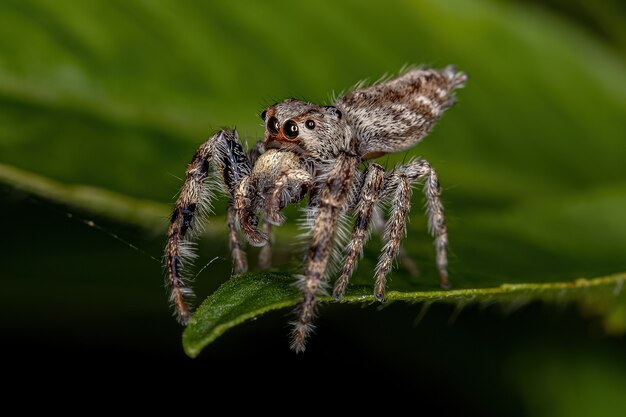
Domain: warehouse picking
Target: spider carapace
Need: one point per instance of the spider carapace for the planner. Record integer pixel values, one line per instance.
(319, 152)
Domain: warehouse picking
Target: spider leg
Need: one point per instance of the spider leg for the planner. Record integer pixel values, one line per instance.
(407, 263)
(366, 205)
(333, 201)
(265, 255)
(225, 151)
(398, 187)
(240, 263)
(394, 232)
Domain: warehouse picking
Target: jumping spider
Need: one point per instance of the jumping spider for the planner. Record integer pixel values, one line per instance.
(317, 151)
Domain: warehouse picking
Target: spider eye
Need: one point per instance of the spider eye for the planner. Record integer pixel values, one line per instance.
(334, 111)
(263, 114)
(272, 125)
(310, 124)
(291, 129)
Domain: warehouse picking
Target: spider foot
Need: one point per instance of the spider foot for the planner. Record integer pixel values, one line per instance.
(340, 287)
(379, 287)
(444, 282)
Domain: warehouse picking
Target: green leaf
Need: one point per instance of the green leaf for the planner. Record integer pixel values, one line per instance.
(247, 296)
(531, 158)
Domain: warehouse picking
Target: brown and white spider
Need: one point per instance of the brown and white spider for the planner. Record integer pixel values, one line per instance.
(317, 151)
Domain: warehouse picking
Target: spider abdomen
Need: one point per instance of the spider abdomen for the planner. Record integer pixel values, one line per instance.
(393, 116)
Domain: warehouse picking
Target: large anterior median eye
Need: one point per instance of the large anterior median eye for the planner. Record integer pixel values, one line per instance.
(273, 126)
(291, 129)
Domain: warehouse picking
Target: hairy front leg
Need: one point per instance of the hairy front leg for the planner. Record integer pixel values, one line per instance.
(225, 151)
(193, 195)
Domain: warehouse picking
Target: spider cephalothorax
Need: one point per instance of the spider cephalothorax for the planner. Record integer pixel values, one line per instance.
(317, 132)
(317, 151)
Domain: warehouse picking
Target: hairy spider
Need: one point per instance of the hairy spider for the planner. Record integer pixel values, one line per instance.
(318, 150)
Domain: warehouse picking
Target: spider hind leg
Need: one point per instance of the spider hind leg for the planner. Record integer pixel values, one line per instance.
(398, 188)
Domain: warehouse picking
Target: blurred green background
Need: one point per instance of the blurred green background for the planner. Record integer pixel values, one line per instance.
(117, 95)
